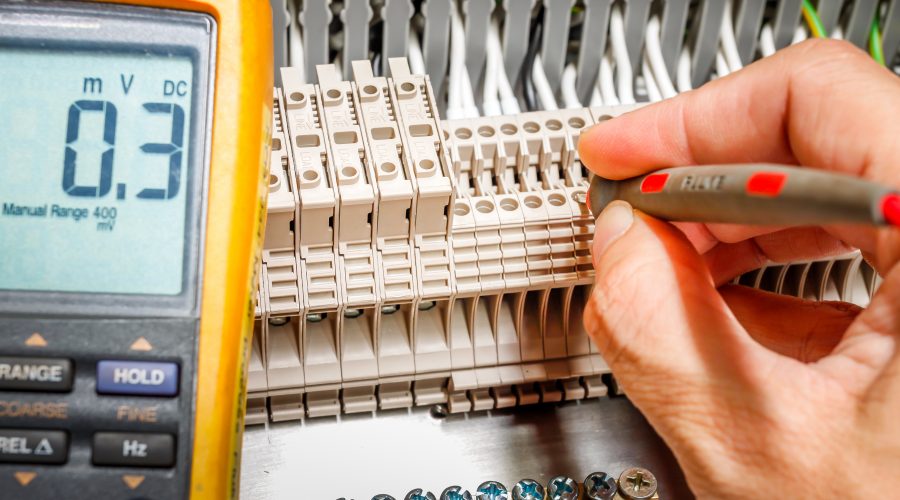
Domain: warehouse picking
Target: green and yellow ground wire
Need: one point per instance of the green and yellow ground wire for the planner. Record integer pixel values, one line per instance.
(818, 30)
(813, 20)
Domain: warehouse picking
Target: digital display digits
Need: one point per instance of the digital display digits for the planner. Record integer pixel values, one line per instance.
(94, 169)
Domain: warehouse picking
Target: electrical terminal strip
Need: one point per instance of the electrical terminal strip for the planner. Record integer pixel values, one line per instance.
(410, 292)
(473, 238)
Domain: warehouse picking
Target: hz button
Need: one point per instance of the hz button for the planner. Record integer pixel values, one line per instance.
(33, 446)
(35, 374)
(134, 449)
(141, 378)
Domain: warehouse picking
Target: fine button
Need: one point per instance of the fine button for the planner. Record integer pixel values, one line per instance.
(35, 374)
(134, 449)
(142, 378)
(33, 446)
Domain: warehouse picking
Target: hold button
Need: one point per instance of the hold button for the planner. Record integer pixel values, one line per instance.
(142, 378)
(33, 446)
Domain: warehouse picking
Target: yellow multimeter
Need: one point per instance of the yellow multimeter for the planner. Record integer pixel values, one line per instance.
(133, 148)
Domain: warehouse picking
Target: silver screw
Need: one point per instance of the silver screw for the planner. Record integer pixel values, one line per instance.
(492, 490)
(282, 320)
(419, 494)
(456, 493)
(426, 305)
(600, 486)
(637, 483)
(390, 309)
(315, 317)
(352, 313)
(382, 496)
(562, 488)
(528, 489)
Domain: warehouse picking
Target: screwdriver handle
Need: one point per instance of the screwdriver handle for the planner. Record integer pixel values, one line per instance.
(762, 194)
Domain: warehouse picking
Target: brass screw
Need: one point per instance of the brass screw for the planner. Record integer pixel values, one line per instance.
(637, 483)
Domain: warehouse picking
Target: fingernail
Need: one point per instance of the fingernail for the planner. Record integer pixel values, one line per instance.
(612, 223)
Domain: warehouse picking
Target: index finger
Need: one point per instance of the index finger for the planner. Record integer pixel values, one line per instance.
(822, 103)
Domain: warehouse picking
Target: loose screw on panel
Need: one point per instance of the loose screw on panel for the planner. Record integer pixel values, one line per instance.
(419, 494)
(637, 483)
(456, 493)
(492, 490)
(562, 488)
(600, 486)
(279, 321)
(382, 496)
(528, 489)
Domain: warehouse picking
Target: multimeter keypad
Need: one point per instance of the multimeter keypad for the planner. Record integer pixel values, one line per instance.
(35, 374)
(133, 449)
(30, 446)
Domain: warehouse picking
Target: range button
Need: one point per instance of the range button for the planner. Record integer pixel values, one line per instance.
(134, 449)
(35, 374)
(32, 446)
(142, 378)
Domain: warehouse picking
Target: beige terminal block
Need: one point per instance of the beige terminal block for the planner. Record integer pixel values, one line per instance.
(436, 262)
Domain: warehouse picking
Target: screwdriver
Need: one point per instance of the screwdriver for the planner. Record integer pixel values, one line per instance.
(761, 194)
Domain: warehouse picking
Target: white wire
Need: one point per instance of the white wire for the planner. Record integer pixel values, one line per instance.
(652, 89)
(766, 41)
(837, 33)
(490, 105)
(470, 110)
(607, 87)
(728, 43)
(596, 98)
(722, 68)
(684, 71)
(799, 35)
(416, 60)
(653, 51)
(567, 87)
(295, 45)
(457, 64)
(508, 100)
(624, 74)
(542, 86)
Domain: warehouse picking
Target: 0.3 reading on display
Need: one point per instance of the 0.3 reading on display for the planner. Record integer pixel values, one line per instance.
(94, 170)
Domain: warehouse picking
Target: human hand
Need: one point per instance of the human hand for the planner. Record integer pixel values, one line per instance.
(756, 394)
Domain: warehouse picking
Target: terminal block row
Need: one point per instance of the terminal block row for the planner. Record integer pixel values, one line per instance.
(413, 261)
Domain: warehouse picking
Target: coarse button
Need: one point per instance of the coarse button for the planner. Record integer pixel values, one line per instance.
(33, 446)
(133, 449)
(142, 378)
(35, 374)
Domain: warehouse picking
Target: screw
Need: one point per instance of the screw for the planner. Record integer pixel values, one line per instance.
(456, 493)
(426, 305)
(382, 496)
(528, 489)
(352, 313)
(419, 494)
(315, 317)
(637, 483)
(439, 411)
(600, 486)
(580, 197)
(562, 488)
(390, 309)
(492, 490)
(283, 320)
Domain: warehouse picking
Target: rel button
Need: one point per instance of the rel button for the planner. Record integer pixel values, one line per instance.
(28, 446)
(143, 378)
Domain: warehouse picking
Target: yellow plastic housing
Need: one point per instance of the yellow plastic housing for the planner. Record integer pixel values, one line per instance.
(236, 210)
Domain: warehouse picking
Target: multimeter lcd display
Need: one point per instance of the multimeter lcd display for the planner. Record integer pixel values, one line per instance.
(94, 159)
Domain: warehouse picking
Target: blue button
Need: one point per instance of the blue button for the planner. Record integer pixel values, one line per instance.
(142, 378)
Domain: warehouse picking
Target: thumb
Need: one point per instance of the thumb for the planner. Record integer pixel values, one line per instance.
(657, 317)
